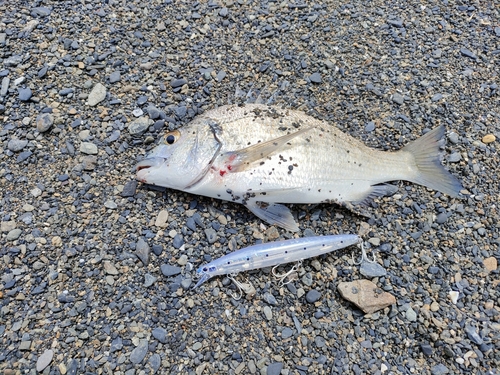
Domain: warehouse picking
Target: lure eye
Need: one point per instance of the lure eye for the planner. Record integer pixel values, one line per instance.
(205, 269)
(172, 137)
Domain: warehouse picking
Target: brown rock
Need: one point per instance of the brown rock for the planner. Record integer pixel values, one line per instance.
(110, 268)
(490, 264)
(488, 138)
(366, 295)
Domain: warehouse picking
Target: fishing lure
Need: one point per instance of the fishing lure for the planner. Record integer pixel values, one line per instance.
(274, 253)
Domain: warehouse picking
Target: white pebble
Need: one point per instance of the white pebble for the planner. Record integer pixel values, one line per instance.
(453, 296)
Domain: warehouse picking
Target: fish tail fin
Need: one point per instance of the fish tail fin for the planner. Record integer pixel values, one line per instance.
(427, 156)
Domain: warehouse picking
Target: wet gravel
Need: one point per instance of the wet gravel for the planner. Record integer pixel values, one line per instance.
(96, 270)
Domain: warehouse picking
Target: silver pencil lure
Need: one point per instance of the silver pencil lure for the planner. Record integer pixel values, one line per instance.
(274, 253)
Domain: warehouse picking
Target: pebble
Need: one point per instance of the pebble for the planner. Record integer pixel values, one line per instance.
(178, 241)
(398, 98)
(115, 77)
(44, 121)
(88, 148)
(139, 353)
(97, 95)
(274, 368)
(16, 145)
(453, 295)
(160, 334)
(44, 360)
(139, 126)
(211, 235)
(129, 189)
(411, 315)
(488, 138)
(155, 362)
(142, 251)
(439, 369)
(168, 270)
(161, 219)
(4, 88)
(178, 82)
(315, 78)
(149, 280)
(366, 295)
(372, 269)
(490, 264)
(313, 296)
(14, 234)
(25, 94)
(110, 268)
(268, 313)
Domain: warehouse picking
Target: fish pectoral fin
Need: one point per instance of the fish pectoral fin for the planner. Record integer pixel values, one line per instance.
(274, 213)
(237, 161)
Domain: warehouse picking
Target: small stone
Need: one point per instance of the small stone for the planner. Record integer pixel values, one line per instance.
(161, 219)
(44, 121)
(110, 204)
(44, 360)
(372, 269)
(160, 334)
(473, 335)
(89, 162)
(220, 76)
(315, 78)
(286, 333)
(139, 126)
(490, 264)
(129, 189)
(369, 127)
(142, 251)
(155, 362)
(14, 234)
(182, 261)
(16, 145)
(7, 226)
(168, 270)
(398, 98)
(268, 312)
(313, 296)
(437, 97)
(178, 241)
(25, 94)
(274, 368)
(25, 345)
(149, 280)
(455, 157)
(114, 77)
(453, 295)
(411, 315)
(211, 235)
(139, 353)
(178, 83)
(426, 349)
(97, 95)
(88, 148)
(110, 268)
(468, 53)
(269, 298)
(488, 138)
(366, 295)
(439, 370)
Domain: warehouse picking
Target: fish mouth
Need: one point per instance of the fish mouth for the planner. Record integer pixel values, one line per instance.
(142, 168)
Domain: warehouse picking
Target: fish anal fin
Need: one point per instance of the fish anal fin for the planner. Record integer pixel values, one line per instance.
(376, 191)
(274, 213)
(237, 161)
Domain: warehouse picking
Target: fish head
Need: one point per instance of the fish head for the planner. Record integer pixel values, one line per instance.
(182, 157)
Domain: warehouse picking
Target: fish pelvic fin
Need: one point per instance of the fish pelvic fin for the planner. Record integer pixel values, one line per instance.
(274, 214)
(430, 172)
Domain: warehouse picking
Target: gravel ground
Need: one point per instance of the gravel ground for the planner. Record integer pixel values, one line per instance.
(96, 270)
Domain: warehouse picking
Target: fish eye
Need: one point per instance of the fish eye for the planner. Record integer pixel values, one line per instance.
(171, 137)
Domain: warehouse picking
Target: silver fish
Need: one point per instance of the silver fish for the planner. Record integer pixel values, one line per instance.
(259, 155)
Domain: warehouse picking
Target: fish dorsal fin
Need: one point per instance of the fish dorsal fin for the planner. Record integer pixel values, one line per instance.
(237, 161)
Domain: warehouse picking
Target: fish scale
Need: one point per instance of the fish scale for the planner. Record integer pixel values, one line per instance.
(256, 154)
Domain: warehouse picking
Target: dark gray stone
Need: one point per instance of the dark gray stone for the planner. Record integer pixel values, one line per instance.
(313, 296)
(139, 353)
(178, 82)
(315, 78)
(160, 334)
(168, 270)
(16, 145)
(178, 241)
